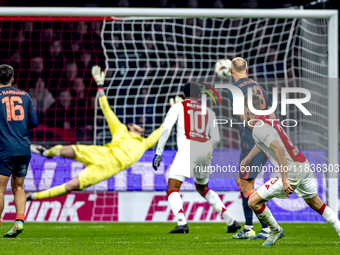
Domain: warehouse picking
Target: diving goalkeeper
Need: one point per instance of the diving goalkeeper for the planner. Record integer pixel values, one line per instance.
(101, 162)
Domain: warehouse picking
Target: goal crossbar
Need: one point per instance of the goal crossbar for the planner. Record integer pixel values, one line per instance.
(167, 12)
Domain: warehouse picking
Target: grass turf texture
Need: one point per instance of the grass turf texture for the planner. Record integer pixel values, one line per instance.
(152, 238)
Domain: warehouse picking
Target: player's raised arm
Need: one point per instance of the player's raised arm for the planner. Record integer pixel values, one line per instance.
(111, 118)
(168, 123)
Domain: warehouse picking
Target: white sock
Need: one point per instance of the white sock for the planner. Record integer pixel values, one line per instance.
(267, 229)
(181, 219)
(247, 227)
(267, 217)
(215, 202)
(331, 218)
(227, 217)
(175, 202)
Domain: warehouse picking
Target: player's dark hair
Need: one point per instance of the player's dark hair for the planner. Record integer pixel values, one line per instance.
(6, 74)
(256, 101)
(191, 89)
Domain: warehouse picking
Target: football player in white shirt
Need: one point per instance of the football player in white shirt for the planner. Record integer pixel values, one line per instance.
(293, 166)
(196, 139)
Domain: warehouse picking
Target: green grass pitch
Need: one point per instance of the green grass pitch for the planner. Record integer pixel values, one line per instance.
(152, 238)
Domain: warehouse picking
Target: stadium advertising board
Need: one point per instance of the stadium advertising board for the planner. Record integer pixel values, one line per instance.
(146, 207)
(113, 202)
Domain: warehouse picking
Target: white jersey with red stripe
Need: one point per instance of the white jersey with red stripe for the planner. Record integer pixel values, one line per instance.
(191, 125)
(266, 130)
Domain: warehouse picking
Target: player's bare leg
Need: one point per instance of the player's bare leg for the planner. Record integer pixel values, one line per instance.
(57, 191)
(72, 185)
(67, 152)
(246, 188)
(215, 202)
(258, 205)
(3, 184)
(58, 150)
(329, 216)
(17, 184)
(176, 205)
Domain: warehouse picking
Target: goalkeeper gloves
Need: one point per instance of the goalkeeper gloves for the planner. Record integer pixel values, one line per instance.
(175, 100)
(98, 76)
(156, 161)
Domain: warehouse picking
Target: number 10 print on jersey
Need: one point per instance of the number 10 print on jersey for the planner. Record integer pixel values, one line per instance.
(195, 123)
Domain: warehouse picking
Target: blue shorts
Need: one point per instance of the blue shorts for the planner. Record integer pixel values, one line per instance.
(14, 165)
(255, 165)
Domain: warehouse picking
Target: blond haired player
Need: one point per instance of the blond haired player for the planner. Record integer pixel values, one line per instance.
(293, 166)
(246, 179)
(101, 162)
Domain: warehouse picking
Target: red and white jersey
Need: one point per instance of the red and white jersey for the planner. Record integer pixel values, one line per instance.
(269, 130)
(191, 125)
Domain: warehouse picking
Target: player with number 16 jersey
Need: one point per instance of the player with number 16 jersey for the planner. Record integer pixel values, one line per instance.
(17, 117)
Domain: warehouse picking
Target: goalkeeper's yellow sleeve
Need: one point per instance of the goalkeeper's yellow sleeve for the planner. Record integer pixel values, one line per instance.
(153, 138)
(111, 118)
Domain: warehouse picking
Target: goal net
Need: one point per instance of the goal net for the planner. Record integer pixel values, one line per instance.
(52, 59)
(148, 59)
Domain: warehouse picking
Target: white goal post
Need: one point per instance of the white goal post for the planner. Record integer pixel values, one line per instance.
(332, 37)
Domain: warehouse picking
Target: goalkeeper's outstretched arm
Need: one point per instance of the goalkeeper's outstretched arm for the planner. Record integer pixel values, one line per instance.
(153, 138)
(111, 118)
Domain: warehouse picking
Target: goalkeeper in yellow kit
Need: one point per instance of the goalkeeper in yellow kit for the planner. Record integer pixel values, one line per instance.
(101, 162)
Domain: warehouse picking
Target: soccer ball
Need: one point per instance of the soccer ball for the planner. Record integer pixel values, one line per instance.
(222, 68)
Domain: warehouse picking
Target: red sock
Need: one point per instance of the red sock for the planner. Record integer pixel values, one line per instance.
(322, 209)
(205, 192)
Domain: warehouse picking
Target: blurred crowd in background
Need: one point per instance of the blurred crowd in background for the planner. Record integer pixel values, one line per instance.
(52, 62)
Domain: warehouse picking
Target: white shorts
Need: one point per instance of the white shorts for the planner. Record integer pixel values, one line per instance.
(303, 187)
(192, 163)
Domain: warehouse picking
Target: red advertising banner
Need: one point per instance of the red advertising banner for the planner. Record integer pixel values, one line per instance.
(145, 206)
(73, 207)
